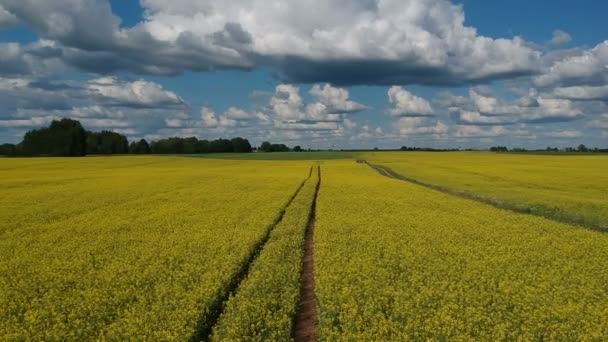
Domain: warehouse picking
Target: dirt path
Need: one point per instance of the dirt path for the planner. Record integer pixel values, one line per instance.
(305, 325)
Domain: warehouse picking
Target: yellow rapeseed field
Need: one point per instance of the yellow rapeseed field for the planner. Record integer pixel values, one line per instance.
(395, 262)
(128, 248)
(572, 188)
(175, 249)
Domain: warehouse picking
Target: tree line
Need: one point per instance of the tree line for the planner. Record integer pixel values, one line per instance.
(68, 138)
(580, 149)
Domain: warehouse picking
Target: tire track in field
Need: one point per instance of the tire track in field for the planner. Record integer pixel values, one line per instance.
(305, 324)
(546, 213)
(206, 323)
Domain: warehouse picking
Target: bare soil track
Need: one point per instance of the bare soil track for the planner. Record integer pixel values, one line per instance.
(305, 324)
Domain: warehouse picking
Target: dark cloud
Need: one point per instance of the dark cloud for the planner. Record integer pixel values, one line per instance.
(380, 72)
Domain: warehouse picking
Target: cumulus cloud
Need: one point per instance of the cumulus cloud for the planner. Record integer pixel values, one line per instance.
(407, 104)
(332, 104)
(138, 93)
(479, 132)
(102, 103)
(420, 126)
(560, 37)
(32, 60)
(336, 100)
(566, 134)
(582, 93)
(342, 42)
(584, 68)
(483, 108)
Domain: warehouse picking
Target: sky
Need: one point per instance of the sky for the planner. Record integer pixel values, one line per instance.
(316, 73)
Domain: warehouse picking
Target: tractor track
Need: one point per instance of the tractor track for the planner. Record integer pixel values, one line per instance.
(539, 212)
(207, 322)
(305, 323)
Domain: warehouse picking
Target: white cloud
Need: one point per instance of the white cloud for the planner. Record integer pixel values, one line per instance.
(349, 124)
(314, 126)
(287, 104)
(478, 132)
(560, 37)
(137, 93)
(360, 42)
(582, 92)
(407, 104)
(336, 100)
(476, 118)
(587, 68)
(420, 126)
(566, 134)
(483, 108)
(234, 113)
(174, 123)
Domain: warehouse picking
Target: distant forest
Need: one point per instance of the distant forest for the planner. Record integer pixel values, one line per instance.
(68, 138)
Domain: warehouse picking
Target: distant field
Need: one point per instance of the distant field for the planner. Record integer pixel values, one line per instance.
(317, 244)
(278, 156)
(573, 188)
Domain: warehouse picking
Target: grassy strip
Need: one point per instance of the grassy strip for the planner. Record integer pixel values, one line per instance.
(264, 307)
(537, 210)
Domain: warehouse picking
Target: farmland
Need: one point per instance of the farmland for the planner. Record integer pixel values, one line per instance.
(128, 248)
(565, 187)
(180, 248)
(397, 261)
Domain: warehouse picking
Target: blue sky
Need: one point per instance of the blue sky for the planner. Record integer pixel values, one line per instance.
(340, 74)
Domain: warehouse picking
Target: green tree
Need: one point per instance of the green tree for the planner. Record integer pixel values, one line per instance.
(240, 145)
(140, 147)
(65, 137)
(9, 150)
(106, 142)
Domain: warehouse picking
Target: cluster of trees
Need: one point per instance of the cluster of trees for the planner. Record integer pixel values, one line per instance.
(583, 148)
(106, 142)
(426, 149)
(194, 146)
(67, 137)
(268, 147)
(62, 138)
(499, 149)
(580, 148)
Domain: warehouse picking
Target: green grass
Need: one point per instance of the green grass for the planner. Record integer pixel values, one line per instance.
(324, 155)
